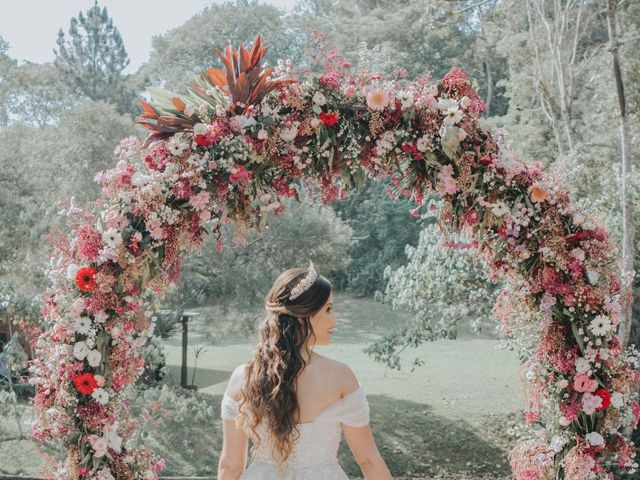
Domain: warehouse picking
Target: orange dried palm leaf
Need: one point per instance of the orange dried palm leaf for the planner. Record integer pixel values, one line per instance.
(217, 77)
(149, 111)
(179, 104)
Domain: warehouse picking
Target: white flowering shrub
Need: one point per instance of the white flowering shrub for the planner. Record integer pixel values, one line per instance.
(442, 287)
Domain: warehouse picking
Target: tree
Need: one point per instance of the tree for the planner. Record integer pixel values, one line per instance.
(41, 167)
(242, 273)
(382, 227)
(7, 65)
(190, 48)
(416, 35)
(628, 230)
(441, 288)
(94, 58)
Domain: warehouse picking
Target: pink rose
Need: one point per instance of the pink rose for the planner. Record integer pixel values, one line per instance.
(582, 383)
(350, 91)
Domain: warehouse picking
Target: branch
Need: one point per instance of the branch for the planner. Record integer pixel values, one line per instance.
(479, 4)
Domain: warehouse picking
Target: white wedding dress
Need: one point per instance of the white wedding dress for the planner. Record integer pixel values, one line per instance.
(314, 455)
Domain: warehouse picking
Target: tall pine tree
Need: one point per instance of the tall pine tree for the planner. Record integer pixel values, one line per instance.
(94, 57)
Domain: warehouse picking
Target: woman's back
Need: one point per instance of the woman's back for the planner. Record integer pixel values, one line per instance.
(324, 409)
(292, 402)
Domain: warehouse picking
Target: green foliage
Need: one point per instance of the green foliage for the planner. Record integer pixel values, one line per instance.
(441, 287)
(417, 35)
(382, 226)
(39, 168)
(190, 48)
(154, 361)
(93, 59)
(242, 274)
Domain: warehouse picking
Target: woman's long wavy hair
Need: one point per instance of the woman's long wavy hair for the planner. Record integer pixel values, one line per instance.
(270, 382)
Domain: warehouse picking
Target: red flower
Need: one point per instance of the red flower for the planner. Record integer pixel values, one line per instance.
(84, 279)
(203, 140)
(241, 175)
(606, 398)
(85, 383)
(283, 189)
(329, 118)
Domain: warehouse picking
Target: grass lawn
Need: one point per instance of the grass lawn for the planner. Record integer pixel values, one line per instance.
(447, 419)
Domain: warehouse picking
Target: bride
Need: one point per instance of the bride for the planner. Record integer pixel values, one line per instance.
(293, 403)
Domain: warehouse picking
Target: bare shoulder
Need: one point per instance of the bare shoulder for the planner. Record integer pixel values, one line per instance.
(343, 377)
(236, 381)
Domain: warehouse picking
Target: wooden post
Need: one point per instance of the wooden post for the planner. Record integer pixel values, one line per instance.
(185, 336)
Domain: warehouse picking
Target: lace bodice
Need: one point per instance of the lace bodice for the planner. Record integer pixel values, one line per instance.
(314, 453)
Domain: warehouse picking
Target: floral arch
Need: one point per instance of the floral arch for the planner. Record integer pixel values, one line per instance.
(241, 139)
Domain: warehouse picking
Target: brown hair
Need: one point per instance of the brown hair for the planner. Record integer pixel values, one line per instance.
(270, 381)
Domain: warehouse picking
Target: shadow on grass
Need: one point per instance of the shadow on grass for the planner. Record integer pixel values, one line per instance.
(415, 442)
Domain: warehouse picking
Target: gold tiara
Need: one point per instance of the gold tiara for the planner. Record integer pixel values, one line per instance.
(305, 283)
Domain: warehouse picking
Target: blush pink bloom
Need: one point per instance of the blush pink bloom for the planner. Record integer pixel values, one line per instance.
(377, 99)
(446, 183)
(117, 222)
(199, 201)
(582, 383)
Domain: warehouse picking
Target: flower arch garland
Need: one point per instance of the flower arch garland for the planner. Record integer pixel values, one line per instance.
(240, 140)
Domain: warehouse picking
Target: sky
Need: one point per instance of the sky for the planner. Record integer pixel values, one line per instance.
(31, 26)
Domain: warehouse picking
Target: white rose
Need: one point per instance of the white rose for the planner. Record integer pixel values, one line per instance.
(562, 384)
(564, 421)
(114, 440)
(617, 400)
(445, 104)
(432, 90)
(406, 100)
(557, 443)
(263, 134)
(592, 276)
(200, 129)
(465, 102)
(319, 98)
(315, 122)
(246, 121)
(93, 357)
(80, 350)
(595, 439)
(289, 133)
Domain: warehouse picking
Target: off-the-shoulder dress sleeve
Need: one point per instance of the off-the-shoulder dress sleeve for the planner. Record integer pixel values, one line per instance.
(352, 410)
(228, 408)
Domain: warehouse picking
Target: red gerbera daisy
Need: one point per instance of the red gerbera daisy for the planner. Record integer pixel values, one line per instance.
(85, 383)
(328, 118)
(84, 279)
